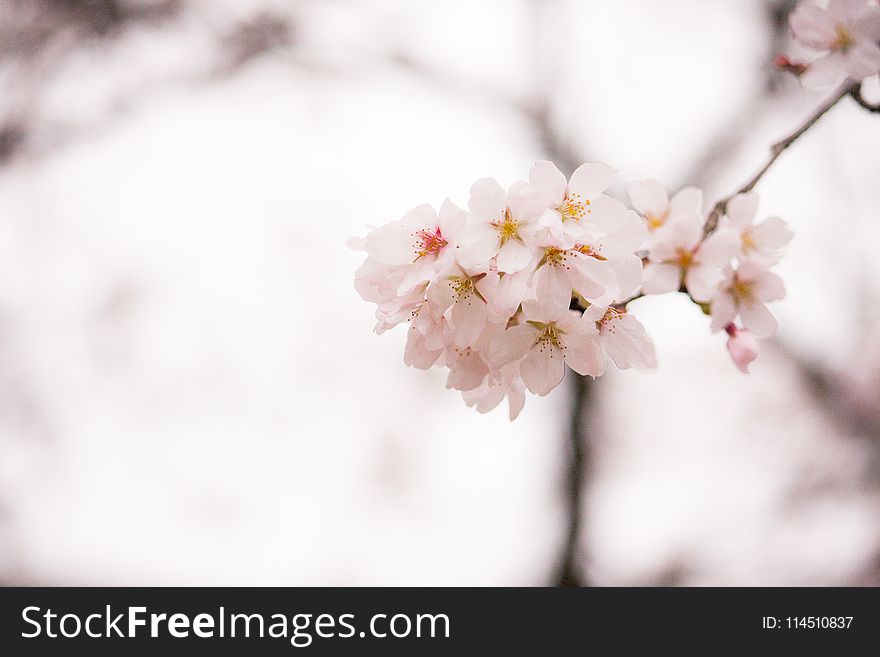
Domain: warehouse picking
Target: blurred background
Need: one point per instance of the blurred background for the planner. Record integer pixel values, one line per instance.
(190, 391)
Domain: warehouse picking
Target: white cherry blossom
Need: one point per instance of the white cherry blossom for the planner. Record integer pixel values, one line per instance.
(745, 292)
(503, 227)
(682, 257)
(758, 242)
(659, 212)
(544, 342)
(623, 338)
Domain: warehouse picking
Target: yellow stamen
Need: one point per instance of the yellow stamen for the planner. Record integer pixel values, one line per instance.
(574, 208)
(508, 228)
(684, 258)
(588, 250)
(654, 222)
(843, 39)
(742, 289)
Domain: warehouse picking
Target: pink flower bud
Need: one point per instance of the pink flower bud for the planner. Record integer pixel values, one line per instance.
(742, 345)
(785, 64)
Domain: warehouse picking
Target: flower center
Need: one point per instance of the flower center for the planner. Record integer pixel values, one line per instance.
(574, 207)
(748, 241)
(588, 250)
(654, 222)
(428, 243)
(554, 257)
(843, 38)
(550, 335)
(684, 258)
(508, 227)
(742, 289)
(610, 316)
(463, 287)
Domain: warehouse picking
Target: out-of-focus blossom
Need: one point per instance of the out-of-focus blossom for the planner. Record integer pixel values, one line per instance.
(682, 257)
(757, 242)
(745, 292)
(845, 35)
(650, 200)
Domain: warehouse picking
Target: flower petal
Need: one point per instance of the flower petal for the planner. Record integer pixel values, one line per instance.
(512, 345)
(758, 319)
(542, 369)
(513, 256)
(591, 179)
(741, 209)
(488, 200)
(813, 26)
(548, 181)
(660, 278)
(648, 197)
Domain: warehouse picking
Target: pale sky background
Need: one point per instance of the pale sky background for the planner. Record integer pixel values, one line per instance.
(190, 391)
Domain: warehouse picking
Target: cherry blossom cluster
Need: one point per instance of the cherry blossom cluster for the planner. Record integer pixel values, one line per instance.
(725, 269)
(842, 37)
(538, 276)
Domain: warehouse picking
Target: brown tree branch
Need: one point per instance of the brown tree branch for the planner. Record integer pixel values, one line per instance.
(860, 99)
(777, 149)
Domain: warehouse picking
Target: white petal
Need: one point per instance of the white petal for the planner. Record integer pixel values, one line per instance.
(719, 248)
(757, 318)
(488, 200)
(392, 244)
(824, 72)
(513, 256)
(548, 181)
(660, 278)
(541, 310)
(469, 317)
(648, 197)
(628, 344)
(862, 60)
(516, 398)
(479, 246)
(512, 345)
(628, 271)
(845, 11)
(812, 26)
(553, 287)
(524, 203)
(542, 370)
(591, 179)
(772, 233)
(451, 220)
(417, 354)
(867, 25)
(440, 296)
(686, 207)
(723, 310)
(467, 372)
(583, 354)
(741, 209)
(702, 282)
(588, 276)
(769, 287)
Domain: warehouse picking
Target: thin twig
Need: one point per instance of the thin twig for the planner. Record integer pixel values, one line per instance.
(860, 99)
(846, 89)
